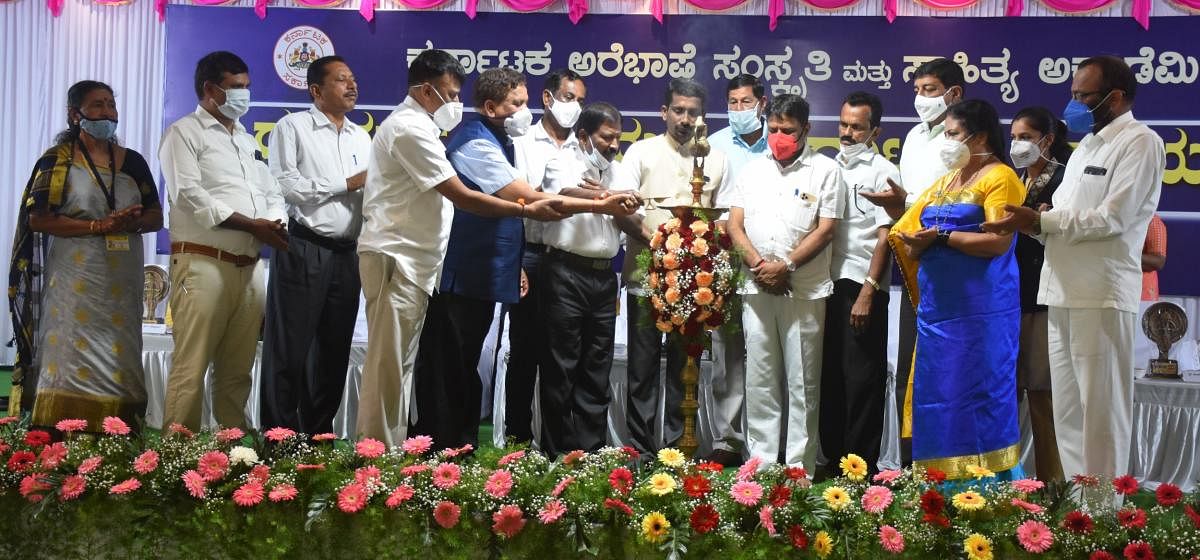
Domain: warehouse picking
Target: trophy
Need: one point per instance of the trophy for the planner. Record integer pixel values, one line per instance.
(1165, 324)
(155, 283)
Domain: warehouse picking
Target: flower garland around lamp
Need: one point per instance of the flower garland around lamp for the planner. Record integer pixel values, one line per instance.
(691, 273)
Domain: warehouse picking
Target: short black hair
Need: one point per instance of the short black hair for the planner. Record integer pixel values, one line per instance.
(684, 87)
(1043, 120)
(1114, 74)
(945, 70)
(747, 80)
(556, 77)
(213, 65)
(318, 70)
(495, 83)
(789, 105)
(861, 98)
(980, 117)
(595, 115)
(432, 64)
(75, 96)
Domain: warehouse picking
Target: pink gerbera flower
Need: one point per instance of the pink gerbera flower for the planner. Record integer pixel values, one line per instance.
(499, 484)
(1031, 508)
(32, 486)
(195, 484)
(888, 476)
(508, 520)
(303, 467)
(766, 518)
(90, 464)
(551, 512)
(352, 498)
(749, 469)
(505, 460)
(1027, 485)
(177, 428)
(278, 434)
(1035, 536)
(213, 465)
(146, 462)
(71, 425)
(876, 499)
(72, 487)
(417, 445)
(413, 470)
(446, 514)
(746, 493)
(230, 434)
(370, 448)
(561, 486)
(370, 477)
(259, 474)
(325, 437)
(52, 455)
(401, 494)
(891, 540)
(459, 451)
(125, 487)
(114, 426)
(249, 494)
(446, 475)
(283, 493)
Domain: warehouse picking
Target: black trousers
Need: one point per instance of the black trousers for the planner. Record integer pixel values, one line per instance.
(904, 359)
(446, 378)
(526, 340)
(312, 305)
(645, 365)
(853, 377)
(580, 310)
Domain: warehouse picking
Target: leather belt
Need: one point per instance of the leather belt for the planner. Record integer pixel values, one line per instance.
(580, 261)
(212, 252)
(301, 231)
(535, 248)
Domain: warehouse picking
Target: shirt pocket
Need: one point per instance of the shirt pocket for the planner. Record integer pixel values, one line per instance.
(800, 215)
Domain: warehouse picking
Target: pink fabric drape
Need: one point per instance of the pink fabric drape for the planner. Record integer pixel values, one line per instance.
(367, 9)
(160, 8)
(656, 9)
(889, 10)
(1076, 6)
(775, 10)
(1015, 7)
(715, 5)
(949, 4)
(56, 7)
(319, 3)
(1141, 12)
(260, 9)
(1188, 5)
(576, 9)
(831, 4)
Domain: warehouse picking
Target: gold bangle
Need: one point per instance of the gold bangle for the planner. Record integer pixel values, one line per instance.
(92, 226)
(521, 201)
(872, 282)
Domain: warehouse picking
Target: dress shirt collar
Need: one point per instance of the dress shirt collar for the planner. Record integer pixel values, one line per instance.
(737, 138)
(320, 120)
(932, 131)
(681, 149)
(1112, 129)
(209, 121)
(412, 103)
(806, 155)
(540, 134)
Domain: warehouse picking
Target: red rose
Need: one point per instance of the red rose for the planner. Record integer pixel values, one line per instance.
(37, 438)
(706, 265)
(704, 518)
(798, 538)
(1078, 522)
(687, 262)
(932, 502)
(725, 242)
(1138, 550)
(780, 495)
(716, 319)
(696, 485)
(1126, 485)
(1168, 494)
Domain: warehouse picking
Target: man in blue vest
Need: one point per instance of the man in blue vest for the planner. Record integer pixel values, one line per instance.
(483, 260)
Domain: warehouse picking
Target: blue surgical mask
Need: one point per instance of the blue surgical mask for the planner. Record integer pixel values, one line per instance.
(1079, 117)
(745, 122)
(100, 129)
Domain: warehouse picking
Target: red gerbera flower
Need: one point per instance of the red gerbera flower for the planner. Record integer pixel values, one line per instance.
(21, 461)
(704, 518)
(1168, 494)
(795, 473)
(935, 476)
(1086, 480)
(798, 537)
(37, 438)
(1101, 555)
(779, 496)
(1078, 522)
(621, 480)
(1193, 515)
(630, 452)
(940, 520)
(696, 485)
(1125, 485)
(932, 502)
(710, 467)
(617, 505)
(1138, 550)
(1132, 518)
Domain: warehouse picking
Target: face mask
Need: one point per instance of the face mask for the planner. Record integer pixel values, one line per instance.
(518, 123)
(744, 122)
(955, 154)
(100, 129)
(566, 113)
(930, 108)
(1024, 153)
(237, 102)
(854, 150)
(596, 159)
(1079, 117)
(783, 146)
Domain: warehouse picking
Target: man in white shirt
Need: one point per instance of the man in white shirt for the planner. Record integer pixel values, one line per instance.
(855, 368)
(1091, 276)
(782, 214)
(939, 84)
(562, 97)
(319, 158)
(408, 205)
(659, 168)
(224, 207)
(579, 292)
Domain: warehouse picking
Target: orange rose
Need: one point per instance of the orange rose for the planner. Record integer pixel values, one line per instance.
(678, 320)
(672, 296)
(652, 280)
(656, 241)
(703, 316)
(674, 242)
(670, 261)
(664, 326)
(656, 302)
(699, 227)
(672, 225)
(673, 279)
(699, 247)
(704, 279)
(719, 302)
(704, 296)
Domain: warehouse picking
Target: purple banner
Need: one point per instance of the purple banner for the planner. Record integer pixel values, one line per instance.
(628, 60)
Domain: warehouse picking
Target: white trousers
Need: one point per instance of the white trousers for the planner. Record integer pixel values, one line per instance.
(1091, 376)
(783, 374)
(728, 383)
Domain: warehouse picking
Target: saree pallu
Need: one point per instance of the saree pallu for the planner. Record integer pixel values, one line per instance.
(961, 409)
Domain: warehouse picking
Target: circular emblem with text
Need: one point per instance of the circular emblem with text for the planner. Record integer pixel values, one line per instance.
(296, 49)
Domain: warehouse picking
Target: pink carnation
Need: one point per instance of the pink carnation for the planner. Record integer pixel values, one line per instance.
(508, 521)
(417, 445)
(279, 433)
(283, 493)
(72, 486)
(562, 485)
(446, 514)
(52, 455)
(891, 540)
(114, 426)
(505, 460)
(125, 487)
(1035, 536)
(749, 469)
(1031, 508)
(230, 434)
(551, 512)
(499, 484)
(876, 499)
(249, 494)
(401, 494)
(213, 465)
(766, 518)
(1027, 485)
(259, 474)
(446, 475)
(888, 476)
(195, 484)
(413, 470)
(370, 448)
(324, 437)
(71, 425)
(352, 498)
(90, 464)
(146, 462)
(746, 493)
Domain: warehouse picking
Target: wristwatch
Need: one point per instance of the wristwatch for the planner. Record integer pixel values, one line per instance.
(872, 282)
(943, 238)
(791, 265)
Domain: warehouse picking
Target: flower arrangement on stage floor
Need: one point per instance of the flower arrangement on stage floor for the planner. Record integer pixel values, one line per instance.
(279, 494)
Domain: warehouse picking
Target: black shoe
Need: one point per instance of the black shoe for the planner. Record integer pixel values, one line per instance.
(725, 458)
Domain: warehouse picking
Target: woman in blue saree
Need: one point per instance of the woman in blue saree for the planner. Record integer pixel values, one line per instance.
(961, 408)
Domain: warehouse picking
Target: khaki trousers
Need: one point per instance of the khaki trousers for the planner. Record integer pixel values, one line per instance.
(217, 309)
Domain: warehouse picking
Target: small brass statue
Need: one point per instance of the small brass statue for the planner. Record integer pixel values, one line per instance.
(1165, 324)
(155, 291)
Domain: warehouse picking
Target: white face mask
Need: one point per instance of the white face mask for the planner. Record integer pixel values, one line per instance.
(1024, 153)
(955, 154)
(237, 102)
(518, 123)
(597, 159)
(930, 108)
(745, 122)
(852, 151)
(448, 115)
(566, 113)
